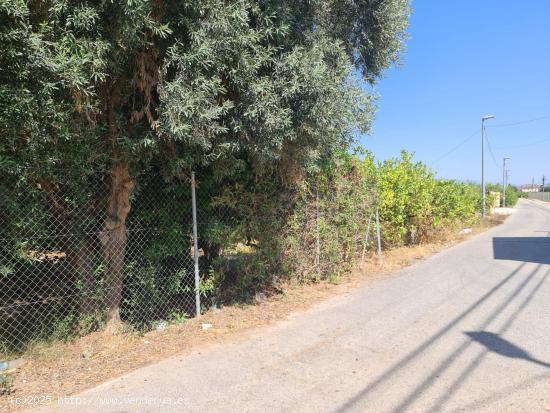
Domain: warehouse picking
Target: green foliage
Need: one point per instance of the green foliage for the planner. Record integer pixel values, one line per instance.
(455, 202)
(261, 98)
(151, 294)
(177, 317)
(188, 82)
(405, 194)
(364, 26)
(512, 194)
(332, 207)
(321, 230)
(414, 206)
(7, 380)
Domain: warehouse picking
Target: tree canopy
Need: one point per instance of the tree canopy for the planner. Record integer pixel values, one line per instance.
(95, 92)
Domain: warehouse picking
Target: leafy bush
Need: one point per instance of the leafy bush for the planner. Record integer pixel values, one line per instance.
(317, 228)
(405, 191)
(333, 207)
(455, 203)
(415, 206)
(512, 196)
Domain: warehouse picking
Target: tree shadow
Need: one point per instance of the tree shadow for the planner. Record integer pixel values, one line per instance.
(493, 342)
(524, 249)
(474, 363)
(401, 364)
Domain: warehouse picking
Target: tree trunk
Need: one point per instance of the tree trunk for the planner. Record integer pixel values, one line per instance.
(81, 259)
(113, 238)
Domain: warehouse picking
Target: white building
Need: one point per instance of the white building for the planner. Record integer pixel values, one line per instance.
(530, 188)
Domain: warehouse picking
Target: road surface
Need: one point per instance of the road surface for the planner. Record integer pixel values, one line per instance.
(466, 330)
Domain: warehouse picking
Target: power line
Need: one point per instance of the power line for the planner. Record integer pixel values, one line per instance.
(490, 149)
(449, 152)
(523, 145)
(521, 122)
(501, 125)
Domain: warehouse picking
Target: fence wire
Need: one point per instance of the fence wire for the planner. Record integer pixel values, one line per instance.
(541, 196)
(61, 276)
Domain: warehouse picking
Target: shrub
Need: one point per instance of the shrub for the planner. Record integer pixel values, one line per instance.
(333, 207)
(405, 193)
(415, 207)
(316, 228)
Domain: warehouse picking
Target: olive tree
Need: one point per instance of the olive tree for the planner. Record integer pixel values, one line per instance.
(93, 91)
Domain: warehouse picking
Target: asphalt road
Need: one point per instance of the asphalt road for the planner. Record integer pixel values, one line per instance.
(466, 330)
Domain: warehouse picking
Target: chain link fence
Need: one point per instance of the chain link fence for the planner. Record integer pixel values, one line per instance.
(333, 228)
(60, 275)
(177, 254)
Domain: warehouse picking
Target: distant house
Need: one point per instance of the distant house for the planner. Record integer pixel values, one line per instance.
(530, 188)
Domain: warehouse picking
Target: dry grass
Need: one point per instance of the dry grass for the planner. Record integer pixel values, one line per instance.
(66, 368)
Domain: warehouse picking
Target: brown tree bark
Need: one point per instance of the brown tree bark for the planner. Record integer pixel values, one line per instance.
(114, 237)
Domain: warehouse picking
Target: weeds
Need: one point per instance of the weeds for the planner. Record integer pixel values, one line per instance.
(6, 379)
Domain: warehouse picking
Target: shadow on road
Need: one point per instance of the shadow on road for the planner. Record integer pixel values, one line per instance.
(428, 381)
(474, 363)
(525, 249)
(493, 342)
(414, 354)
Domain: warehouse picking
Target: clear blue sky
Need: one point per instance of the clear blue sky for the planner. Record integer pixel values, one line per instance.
(466, 59)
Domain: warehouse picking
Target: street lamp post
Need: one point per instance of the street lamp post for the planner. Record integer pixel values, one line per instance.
(483, 119)
(504, 185)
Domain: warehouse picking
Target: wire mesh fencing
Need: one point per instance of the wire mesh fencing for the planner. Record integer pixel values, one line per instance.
(333, 227)
(62, 276)
(541, 196)
(67, 267)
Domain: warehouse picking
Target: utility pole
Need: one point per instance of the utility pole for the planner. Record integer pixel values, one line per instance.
(507, 177)
(543, 180)
(504, 181)
(483, 119)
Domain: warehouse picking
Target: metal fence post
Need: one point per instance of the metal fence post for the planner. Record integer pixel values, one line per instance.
(366, 240)
(378, 233)
(318, 240)
(195, 247)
